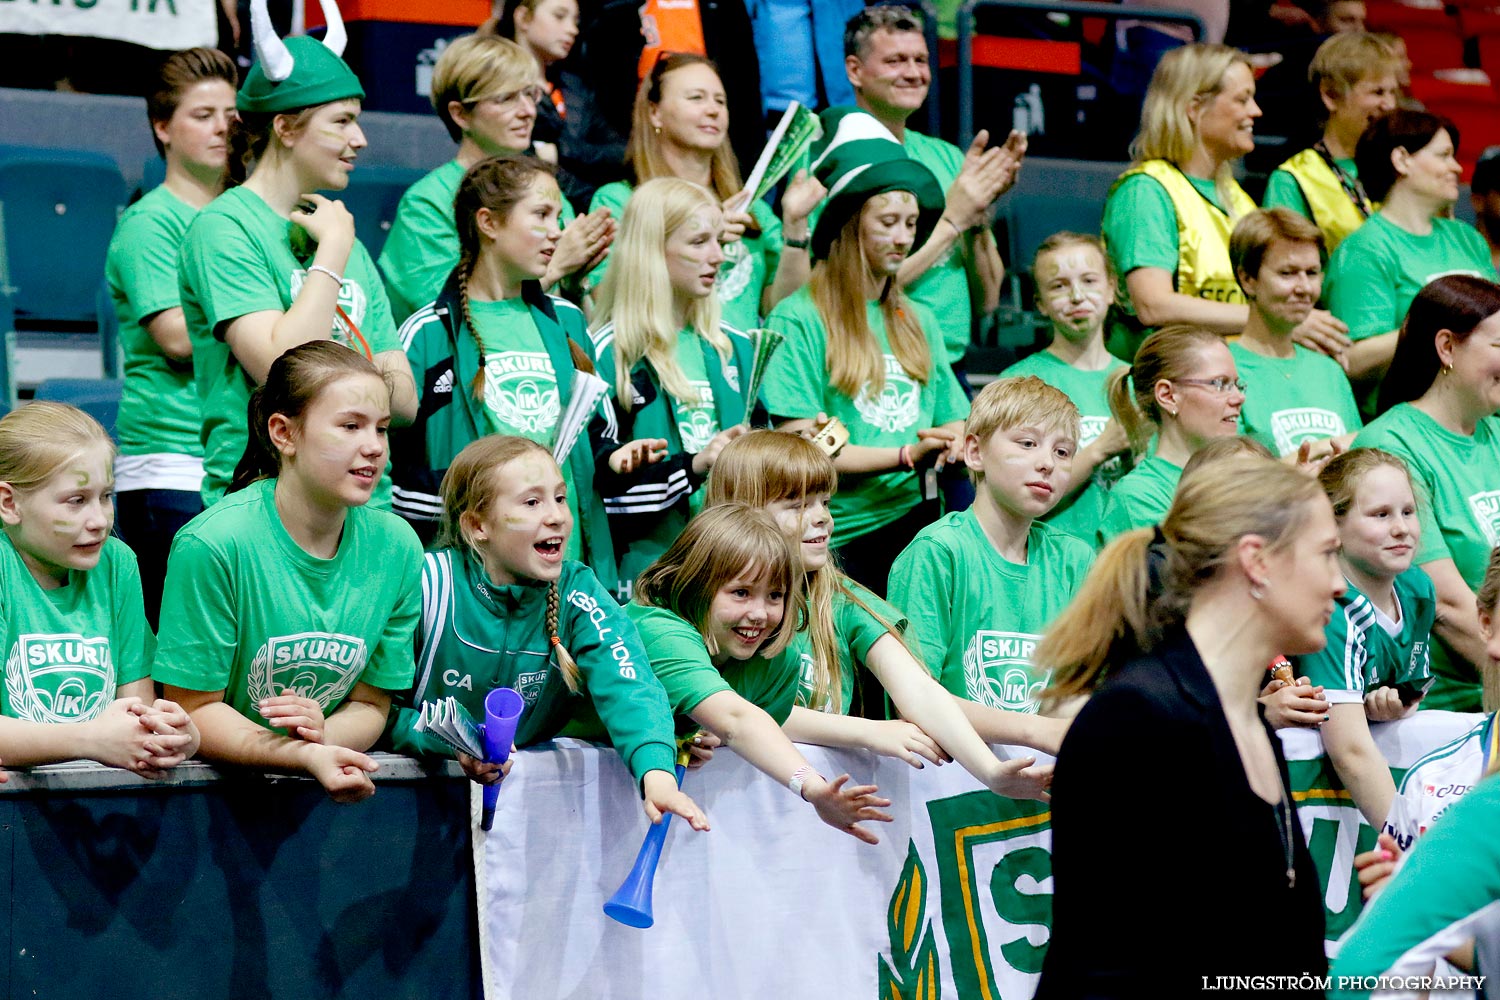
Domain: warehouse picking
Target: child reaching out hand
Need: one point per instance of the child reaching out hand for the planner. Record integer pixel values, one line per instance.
(502, 607)
(717, 612)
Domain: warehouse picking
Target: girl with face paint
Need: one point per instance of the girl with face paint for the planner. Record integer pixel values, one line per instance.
(680, 128)
(858, 349)
(75, 640)
(503, 608)
(159, 471)
(1075, 290)
(271, 264)
(678, 372)
(497, 354)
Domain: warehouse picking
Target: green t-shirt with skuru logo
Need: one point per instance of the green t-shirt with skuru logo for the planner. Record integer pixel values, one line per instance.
(697, 418)
(1291, 400)
(796, 386)
(680, 660)
(237, 259)
(1141, 499)
(520, 387)
(159, 402)
(855, 629)
(977, 617)
(750, 263)
(422, 248)
(68, 650)
(247, 611)
(1457, 481)
(1080, 513)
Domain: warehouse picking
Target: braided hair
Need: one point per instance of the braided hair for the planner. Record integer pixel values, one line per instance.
(469, 487)
(498, 184)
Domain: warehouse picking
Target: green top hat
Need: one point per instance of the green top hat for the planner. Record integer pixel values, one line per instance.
(297, 72)
(858, 158)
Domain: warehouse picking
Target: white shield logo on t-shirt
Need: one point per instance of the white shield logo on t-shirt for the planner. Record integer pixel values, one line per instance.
(1304, 423)
(1486, 510)
(322, 666)
(899, 404)
(59, 678)
(520, 388)
(998, 671)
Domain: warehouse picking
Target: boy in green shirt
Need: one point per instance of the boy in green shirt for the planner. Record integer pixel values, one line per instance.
(981, 585)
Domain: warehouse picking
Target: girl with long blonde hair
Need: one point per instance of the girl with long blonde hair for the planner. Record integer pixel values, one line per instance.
(859, 350)
(502, 607)
(680, 128)
(678, 374)
(848, 627)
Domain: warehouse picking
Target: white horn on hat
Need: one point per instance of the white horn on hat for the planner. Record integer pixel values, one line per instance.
(335, 37)
(276, 59)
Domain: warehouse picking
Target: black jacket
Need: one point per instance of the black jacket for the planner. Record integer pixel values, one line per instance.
(1167, 866)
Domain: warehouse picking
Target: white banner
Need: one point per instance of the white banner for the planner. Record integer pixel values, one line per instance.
(955, 902)
(156, 24)
(967, 873)
(1334, 828)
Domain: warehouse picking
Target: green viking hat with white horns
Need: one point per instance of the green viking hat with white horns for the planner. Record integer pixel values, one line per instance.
(297, 72)
(857, 158)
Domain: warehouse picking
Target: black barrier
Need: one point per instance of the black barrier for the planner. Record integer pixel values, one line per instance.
(223, 884)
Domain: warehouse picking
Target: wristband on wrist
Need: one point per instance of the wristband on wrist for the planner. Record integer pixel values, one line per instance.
(799, 778)
(328, 271)
(904, 456)
(956, 229)
(801, 244)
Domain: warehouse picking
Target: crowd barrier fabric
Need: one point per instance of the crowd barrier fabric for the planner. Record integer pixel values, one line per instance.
(156, 24)
(955, 902)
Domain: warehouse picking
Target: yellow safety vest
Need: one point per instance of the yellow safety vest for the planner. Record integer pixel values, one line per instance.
(1203, 268)
(1332, 208)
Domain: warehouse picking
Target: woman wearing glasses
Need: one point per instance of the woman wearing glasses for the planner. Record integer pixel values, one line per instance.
(485, 89)
(1183, 388)
(680, 128)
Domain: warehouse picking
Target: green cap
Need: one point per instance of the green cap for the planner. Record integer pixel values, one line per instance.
(857, 158)
(317, 77)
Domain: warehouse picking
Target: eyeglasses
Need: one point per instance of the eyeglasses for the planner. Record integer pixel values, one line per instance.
(1220, 385)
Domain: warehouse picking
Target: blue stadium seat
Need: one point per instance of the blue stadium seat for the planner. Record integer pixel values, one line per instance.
(58, 209)
(7, 360)
(1050, 196)
(372, 196)
(109, 332)
(98, 397)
